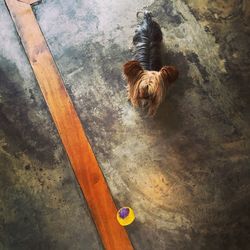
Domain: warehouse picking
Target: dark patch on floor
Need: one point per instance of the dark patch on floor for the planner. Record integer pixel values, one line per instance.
(193, 58)
(16, 125)
(227, 21)
(172, 18)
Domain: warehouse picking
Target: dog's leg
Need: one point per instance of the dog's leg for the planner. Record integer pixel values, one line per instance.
(128, 92)
(152, 109)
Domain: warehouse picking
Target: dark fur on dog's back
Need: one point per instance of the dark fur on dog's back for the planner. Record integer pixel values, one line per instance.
(147, 41)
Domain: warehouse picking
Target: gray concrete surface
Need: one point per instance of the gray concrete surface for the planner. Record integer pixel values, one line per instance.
(186, 173)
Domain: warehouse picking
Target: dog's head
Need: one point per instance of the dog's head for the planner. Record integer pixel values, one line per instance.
(147, 89)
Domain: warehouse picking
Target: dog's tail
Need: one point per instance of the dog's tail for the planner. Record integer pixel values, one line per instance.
(147, 41)
(146, 14)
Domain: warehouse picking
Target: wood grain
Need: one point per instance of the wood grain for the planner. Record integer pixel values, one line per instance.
(29, 1)
(81, 156)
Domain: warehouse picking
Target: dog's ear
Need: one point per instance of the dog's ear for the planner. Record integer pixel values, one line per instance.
(132, 69)
(169, 74)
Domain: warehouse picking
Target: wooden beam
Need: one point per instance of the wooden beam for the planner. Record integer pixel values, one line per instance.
(81, 156)
(29, 1)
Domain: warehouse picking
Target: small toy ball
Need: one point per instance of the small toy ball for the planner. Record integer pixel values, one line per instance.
(125, 216)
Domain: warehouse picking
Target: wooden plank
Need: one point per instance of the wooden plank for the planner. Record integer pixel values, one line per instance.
(29, 1)
(81, 156)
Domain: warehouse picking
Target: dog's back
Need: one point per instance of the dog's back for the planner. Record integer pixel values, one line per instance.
(147, 41)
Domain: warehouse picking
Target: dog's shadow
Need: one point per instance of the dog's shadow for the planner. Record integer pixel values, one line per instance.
(169, 115)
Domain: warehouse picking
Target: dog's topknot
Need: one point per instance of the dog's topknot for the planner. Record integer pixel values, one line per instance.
(147, 41)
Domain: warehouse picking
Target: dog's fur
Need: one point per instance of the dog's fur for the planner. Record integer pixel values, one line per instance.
(147, 80)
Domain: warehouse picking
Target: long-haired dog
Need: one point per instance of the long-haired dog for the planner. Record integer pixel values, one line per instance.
(147, 80)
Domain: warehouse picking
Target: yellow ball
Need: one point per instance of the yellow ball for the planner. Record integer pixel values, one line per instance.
(125, 216)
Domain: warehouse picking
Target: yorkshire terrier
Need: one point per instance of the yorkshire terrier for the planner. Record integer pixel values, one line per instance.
(147, 80)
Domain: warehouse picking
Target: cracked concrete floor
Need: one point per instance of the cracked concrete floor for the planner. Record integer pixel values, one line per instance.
(186, 172)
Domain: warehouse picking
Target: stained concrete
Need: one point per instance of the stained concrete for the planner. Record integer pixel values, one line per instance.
(185, 172)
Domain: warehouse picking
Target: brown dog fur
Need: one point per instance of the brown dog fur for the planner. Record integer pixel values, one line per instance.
(147, 89)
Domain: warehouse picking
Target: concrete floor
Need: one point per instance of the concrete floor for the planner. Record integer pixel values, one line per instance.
(186, 173)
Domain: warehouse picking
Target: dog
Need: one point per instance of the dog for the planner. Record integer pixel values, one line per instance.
(147, 80)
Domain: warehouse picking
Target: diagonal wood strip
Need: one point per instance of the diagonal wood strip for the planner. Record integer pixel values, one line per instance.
(29, 1)
(81, 156)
